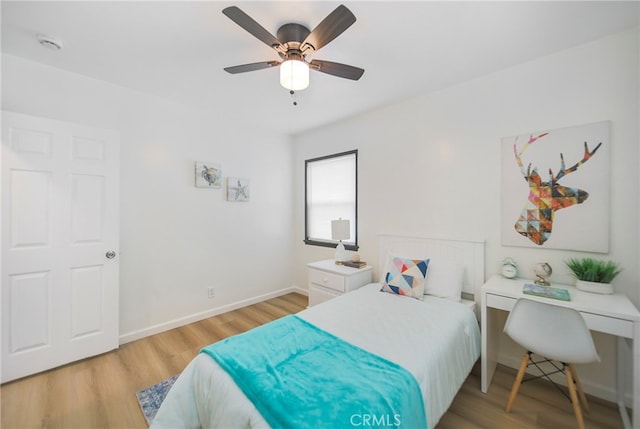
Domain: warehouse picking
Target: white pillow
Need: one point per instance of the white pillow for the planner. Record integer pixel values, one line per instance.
(444, 279)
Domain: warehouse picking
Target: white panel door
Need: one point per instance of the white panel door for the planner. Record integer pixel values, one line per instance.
(60, 186)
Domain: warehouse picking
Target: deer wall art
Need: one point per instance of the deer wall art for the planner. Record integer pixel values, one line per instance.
(561, 169)
(546, 198)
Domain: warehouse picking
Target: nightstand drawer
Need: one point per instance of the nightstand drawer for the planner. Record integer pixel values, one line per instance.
(328, 280)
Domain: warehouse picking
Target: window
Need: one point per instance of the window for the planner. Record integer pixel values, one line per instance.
(331, 192)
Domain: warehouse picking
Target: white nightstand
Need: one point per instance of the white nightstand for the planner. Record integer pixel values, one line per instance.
(328, 280)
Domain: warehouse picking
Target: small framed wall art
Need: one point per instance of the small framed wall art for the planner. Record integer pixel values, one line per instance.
(208, 175)
(237, 189)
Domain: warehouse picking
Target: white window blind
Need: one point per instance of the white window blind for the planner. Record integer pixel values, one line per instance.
(331, 194)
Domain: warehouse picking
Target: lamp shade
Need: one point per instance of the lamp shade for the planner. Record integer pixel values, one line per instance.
(294, 75)
(340, 229)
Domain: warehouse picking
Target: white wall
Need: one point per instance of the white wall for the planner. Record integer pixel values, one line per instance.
(430, 166)
(176, 240)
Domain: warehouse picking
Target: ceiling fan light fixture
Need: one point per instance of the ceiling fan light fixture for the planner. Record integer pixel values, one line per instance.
(294, 75)
(293, 44)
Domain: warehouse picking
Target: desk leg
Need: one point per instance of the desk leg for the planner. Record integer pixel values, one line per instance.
(634, 421)
(490, 345)
(620, 382)
(636, 375)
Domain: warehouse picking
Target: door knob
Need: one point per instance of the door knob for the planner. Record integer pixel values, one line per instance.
(110, 254)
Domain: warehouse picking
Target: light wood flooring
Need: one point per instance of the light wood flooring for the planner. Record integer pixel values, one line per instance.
(100, 392)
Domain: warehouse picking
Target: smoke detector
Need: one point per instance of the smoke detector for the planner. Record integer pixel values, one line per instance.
(49, 42)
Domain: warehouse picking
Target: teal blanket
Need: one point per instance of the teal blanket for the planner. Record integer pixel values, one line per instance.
(299, 376)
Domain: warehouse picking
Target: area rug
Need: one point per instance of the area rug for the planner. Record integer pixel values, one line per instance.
(151, 398)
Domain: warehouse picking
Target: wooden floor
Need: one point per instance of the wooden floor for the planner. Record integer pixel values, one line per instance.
(100, 392)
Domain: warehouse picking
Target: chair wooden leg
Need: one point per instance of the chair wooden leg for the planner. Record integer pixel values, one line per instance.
(574, 399)
(583, 398)
(518, 381)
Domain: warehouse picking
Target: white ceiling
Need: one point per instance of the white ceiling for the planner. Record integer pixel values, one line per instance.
(178, 49)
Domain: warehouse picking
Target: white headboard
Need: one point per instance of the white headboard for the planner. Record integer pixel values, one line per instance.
(468, 253)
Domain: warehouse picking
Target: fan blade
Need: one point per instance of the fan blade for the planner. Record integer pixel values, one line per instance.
(337, 69)
(330, 28)
(251, 67)
(250, 25)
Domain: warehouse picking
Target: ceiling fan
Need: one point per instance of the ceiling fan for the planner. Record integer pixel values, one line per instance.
(293, 43)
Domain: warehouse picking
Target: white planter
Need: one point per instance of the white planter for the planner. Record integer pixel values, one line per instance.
(594, 287)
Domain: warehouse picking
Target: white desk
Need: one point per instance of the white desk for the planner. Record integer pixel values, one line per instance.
(611, 314)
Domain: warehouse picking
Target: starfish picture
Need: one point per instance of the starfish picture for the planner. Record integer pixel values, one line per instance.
(237, 189)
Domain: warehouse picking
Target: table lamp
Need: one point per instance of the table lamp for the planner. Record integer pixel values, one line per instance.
(340, 230)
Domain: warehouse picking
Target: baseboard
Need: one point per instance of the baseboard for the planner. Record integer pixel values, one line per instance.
(176, 323)
(597, 390)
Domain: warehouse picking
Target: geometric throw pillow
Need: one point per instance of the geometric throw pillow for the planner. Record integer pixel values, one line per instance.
(406, 277)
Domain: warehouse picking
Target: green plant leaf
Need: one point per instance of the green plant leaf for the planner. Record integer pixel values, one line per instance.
(593, 270)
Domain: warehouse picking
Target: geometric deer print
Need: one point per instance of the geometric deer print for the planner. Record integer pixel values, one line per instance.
(552, 169)
(547, 197)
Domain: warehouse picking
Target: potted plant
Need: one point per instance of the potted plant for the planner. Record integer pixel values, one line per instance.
(593, 275)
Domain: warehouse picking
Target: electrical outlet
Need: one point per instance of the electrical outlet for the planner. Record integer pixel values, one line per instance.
(211, 292)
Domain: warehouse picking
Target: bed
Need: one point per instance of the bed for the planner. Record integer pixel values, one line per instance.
(436, 338)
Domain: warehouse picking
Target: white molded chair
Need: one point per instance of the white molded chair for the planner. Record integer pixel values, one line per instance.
(555, 333)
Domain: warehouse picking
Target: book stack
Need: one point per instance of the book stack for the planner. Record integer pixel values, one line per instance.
(546, 291)
(353, 264)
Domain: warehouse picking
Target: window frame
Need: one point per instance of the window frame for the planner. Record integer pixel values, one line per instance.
(330, 243)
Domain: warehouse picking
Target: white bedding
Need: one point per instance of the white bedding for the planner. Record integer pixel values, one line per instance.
(437, 340)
